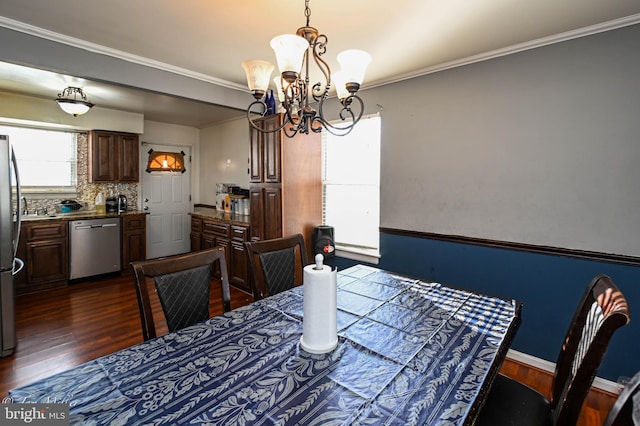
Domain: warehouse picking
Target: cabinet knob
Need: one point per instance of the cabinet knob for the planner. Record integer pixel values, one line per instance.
(145, 208)
(146, 200)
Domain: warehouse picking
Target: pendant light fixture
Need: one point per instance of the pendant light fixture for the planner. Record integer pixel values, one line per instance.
(73, 101)
(293, 55)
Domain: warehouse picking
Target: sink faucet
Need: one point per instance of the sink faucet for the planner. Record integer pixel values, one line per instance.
(25, 210)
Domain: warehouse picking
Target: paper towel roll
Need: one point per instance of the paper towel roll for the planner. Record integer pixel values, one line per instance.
(319, 325)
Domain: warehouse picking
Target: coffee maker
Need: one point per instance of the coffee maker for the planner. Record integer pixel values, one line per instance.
(122, 203)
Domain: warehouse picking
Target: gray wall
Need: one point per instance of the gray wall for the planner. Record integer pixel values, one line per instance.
(539, 147)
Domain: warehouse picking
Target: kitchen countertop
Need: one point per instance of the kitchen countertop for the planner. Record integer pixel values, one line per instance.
(78, 215)
(211, 213)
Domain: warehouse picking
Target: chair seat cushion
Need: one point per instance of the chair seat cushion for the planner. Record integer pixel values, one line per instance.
(512, 403)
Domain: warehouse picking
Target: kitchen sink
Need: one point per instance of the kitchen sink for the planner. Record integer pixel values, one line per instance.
(41, 216)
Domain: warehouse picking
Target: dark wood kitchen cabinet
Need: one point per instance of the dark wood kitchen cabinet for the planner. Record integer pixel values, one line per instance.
(44, 248)
(134, 239)
(209, 233)
(238, 262)
(196, 233)
(286, 182)
(264, 160)
(265, 203)
(113, 157)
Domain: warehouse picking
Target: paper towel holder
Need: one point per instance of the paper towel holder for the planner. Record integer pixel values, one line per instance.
(319, 322)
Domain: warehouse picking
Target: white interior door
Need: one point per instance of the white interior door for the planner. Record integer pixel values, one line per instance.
(166, 196)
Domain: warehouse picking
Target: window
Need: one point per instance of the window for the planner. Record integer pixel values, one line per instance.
(46, 159)
(351, 189)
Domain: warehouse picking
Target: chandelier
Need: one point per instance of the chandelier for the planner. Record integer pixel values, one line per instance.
(69, 102)
(293, 55)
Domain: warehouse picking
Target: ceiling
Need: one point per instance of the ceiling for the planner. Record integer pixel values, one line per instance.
(210, 38)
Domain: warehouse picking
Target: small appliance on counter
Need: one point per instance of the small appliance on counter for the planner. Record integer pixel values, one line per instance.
(68, 206)
(112, 205)
(222, 192)
(323, 241)
(122, 203)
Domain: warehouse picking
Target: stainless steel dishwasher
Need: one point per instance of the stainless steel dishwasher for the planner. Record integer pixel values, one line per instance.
(94, 247)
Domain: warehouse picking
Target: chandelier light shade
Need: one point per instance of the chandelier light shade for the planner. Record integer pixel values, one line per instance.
(279, 91)
(73, 101)
(294, 90)
(289, 50)
(354, 64)
(258, 75)
(340, 80)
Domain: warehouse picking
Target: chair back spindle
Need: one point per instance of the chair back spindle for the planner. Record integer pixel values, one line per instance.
(602, 310)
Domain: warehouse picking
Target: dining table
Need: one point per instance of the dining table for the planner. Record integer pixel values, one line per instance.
(410, 352)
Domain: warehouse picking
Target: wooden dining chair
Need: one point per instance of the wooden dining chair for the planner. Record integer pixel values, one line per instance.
(602, 310)
(276, 265)
(182, 283)
(626, 409)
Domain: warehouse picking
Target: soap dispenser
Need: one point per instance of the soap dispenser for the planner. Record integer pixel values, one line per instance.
(101, 207)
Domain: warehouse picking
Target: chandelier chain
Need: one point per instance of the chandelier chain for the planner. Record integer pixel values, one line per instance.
(307, 11)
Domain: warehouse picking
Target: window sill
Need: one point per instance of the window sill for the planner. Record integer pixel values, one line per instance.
(363, 255)
(42, 193)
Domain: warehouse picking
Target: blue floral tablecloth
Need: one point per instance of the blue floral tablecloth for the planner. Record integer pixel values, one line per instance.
(409, 352)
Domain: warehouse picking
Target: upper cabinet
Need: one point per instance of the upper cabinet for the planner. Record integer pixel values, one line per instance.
(113, 157)
(286, 182)
(265, 158)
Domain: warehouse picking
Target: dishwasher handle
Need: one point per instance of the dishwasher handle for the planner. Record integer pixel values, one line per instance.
(104, 225)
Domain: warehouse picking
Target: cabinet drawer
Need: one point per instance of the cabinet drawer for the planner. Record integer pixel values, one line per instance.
(239, 233)
(48, 231)
(133, 223)
(215, 228)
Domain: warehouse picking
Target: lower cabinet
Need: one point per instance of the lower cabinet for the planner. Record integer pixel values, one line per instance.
(44, 247)
(239, 268)
(134, 239)
(208, 233)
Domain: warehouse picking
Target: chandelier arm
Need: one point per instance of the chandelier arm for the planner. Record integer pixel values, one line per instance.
(334, 130)
(346, 113)
(264, 109)
(318, 49)
(291, 132)
(295, 124)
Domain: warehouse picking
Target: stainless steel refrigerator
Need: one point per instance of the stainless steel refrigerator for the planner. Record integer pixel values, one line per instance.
(10, 209)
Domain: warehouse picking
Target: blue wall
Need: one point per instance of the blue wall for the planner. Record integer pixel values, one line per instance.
(548, 286)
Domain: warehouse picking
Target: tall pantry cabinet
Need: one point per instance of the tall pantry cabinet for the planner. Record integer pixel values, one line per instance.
(285, 183)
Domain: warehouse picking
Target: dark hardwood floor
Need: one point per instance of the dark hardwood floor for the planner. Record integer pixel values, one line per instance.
(62, 328)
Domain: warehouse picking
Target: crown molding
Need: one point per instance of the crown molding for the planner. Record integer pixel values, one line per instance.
(516, 48)
(103, 50)
(533, 44)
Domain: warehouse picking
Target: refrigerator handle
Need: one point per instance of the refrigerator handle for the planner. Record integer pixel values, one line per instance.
(18, 205)
(19, 263)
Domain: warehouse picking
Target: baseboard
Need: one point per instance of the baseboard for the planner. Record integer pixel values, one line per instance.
(548, 366)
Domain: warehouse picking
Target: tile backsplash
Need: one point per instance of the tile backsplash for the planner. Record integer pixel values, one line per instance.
(87, 191)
